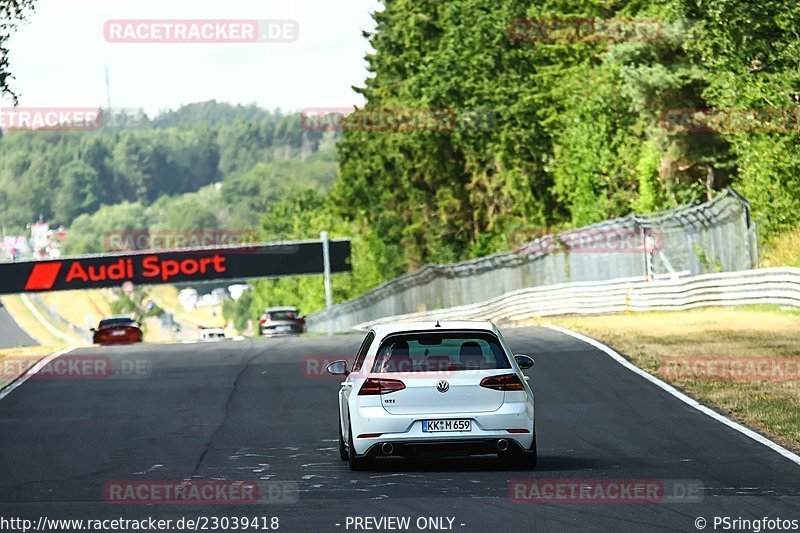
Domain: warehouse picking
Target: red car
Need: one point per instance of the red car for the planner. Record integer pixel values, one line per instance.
(117, 330)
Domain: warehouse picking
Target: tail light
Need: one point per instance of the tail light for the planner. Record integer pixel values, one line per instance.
(264, 320)
(301, 320)
(503, 382)
(373, 386)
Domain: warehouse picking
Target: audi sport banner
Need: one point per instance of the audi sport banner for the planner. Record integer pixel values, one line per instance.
(174, 266)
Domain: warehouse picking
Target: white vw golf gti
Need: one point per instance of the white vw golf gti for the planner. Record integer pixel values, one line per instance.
(450, 388)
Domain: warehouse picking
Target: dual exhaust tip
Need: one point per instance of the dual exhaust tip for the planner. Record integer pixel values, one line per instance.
(388, 449)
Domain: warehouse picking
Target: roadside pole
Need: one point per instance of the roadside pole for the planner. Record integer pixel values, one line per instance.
(326, 265)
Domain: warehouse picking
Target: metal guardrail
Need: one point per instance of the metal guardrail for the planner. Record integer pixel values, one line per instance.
(777, 286)
(714, 236)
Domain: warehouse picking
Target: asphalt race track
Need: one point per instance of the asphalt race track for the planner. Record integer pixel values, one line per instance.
(10, 333)
(248, 411)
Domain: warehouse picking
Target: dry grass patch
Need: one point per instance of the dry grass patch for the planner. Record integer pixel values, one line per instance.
(735, 336)
(78, 306)
(782, 250)
(15, 361)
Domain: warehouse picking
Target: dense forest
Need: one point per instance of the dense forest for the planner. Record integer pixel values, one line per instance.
(60, 175)
(580, 132)
(581, 127)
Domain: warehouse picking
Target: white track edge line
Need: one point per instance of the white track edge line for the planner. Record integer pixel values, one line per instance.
(678, 394)
(33, 370)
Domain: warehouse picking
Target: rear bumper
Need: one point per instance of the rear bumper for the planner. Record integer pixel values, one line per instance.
(106, 340)
(405, 431)
(273, 332)
(116, 341)
(444, 447)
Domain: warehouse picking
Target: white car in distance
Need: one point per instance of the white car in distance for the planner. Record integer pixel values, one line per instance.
(212, 334)
(450, 388)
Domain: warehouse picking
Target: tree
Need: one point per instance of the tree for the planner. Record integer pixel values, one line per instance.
(80, 192)
(12, 12)
(100, 231)
(753, 59)
(177, 152)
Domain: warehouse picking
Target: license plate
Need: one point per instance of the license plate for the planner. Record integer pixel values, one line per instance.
(284, 328)
(434, 426)
(117, 332)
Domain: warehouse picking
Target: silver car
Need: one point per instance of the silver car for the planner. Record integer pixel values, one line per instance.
(281, 321)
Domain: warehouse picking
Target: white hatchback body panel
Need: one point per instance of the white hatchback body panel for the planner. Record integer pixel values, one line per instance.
(397, 417)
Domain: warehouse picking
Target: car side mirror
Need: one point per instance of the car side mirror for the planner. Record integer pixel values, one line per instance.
(338, 368)
(524, 361)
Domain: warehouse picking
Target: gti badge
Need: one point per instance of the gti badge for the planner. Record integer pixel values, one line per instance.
(443, 386)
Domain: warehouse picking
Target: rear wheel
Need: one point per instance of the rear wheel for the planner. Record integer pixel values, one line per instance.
(524, 459)
(342, 447)
(356, 463)
(528, 458)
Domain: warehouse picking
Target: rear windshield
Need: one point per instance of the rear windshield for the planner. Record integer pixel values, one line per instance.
(112, 322)
(282, 315)
(440, 351)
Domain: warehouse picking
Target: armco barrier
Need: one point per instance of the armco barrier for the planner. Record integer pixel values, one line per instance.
(714, 236)
(779, 286)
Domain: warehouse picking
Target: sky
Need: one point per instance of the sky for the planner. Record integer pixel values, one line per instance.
(59, 56)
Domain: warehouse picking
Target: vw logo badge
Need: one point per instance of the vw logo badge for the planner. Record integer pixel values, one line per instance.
(443, 386)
